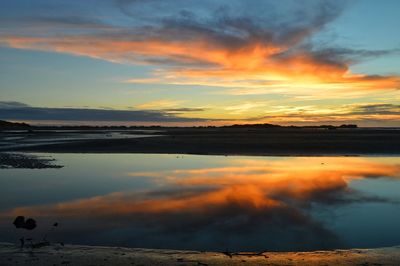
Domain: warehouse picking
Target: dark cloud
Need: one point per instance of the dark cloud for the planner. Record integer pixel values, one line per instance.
(381, 108)
(55, 21)
(375, 114)
(237, 24)
(226, 25)
(12, 105)
(233, 25)
(350, 56)
(183, 110)
(20, 111)
(205, 43)
(177, 61)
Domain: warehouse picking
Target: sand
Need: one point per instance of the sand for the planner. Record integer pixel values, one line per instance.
(91, 255)
(231, 141)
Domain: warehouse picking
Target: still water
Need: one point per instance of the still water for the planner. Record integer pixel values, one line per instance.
(208, 202)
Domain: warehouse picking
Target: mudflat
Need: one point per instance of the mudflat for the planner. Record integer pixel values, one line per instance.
(221, 141)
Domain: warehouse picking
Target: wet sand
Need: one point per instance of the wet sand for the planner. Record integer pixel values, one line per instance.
(232, 141)
(91, 255)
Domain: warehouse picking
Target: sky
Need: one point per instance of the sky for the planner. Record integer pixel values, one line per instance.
(209, 62)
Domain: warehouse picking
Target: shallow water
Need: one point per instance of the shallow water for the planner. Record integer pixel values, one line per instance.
(208, 202)
(16, 139)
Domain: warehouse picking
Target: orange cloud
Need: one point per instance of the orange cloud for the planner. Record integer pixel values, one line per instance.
(250, 49)
(198, 61)
(366, 114)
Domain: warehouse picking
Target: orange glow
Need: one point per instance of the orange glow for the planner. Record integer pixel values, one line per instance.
(257, 185)
(256, 65)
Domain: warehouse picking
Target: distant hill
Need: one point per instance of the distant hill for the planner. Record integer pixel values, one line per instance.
(5, 125)
(263, 126)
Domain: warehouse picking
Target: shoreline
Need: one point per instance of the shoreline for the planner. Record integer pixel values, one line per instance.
(10, 254)
(292, 154)
(301, 142)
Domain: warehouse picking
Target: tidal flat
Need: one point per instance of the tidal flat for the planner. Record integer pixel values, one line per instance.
(213, 141)
(164, 198)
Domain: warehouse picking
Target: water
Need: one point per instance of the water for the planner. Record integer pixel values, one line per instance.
(20, 139)
(208, 202)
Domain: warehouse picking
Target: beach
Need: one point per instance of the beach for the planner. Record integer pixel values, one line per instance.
(92, 255)
(215, 141)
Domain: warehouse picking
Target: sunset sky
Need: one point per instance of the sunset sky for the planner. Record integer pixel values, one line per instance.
(208, 62)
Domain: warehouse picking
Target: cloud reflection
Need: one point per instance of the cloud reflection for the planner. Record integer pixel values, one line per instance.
(250, 205)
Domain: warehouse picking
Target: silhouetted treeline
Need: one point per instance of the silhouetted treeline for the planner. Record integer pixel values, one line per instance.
(266, 125)
(4, 125)
(11, 125)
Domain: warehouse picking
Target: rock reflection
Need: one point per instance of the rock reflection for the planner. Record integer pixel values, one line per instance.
(250, 205)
